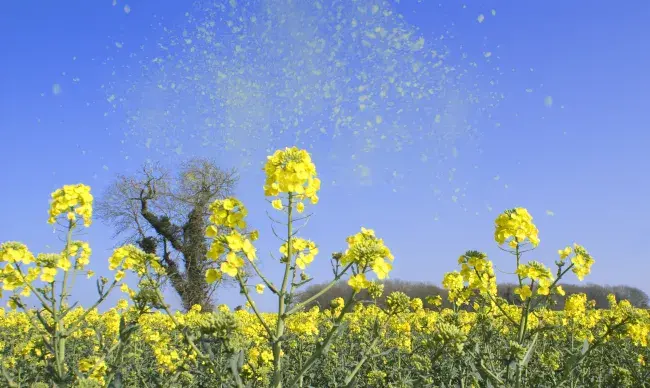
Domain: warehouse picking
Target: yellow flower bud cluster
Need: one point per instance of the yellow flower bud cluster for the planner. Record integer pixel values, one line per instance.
(98, 367)
(455, 285)
(229, 212)
(538, 273)
(47, 265)
(515, 227)
(582, 261)
(306, 250)
(73, 200)
(130, 257)
(477, 272)
(366, 251)
(15, 252)
(232, 245)
(291, 171)
(575, 305)
(81, 250)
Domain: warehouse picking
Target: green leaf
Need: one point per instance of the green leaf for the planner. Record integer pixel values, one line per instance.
(529, 351)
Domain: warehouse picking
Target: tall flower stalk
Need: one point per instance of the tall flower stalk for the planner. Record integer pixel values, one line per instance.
(291, 180)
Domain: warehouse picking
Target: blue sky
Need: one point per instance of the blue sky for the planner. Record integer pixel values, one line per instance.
(577, 164)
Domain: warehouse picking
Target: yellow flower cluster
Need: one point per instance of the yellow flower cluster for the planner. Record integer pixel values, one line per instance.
(15, 252)
(229, 212)
(291, 171)
(233, 245)
(81, 250)
(130, 257)
(538, 273)
(582, 261)
(515, 226)
(476, 274)
(72, 200)
(575, 305)
(305, 249)
(96, 366)
(366, 251)
(47, 264)
(453, 282)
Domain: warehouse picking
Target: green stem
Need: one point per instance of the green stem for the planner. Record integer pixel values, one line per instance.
(252, 304)
(282, 298)
(301, 305)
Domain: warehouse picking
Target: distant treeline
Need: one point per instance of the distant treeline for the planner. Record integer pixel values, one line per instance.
(422, 290)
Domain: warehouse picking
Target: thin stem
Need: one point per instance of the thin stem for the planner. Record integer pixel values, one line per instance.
(252, 304)
(319, 293)
(282, 298)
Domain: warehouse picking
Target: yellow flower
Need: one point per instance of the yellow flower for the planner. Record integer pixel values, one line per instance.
(277, 204)
(212, 275)
(232, 264)
(122, 304)
(564, 253)
(358, 282)
(90, 274)
(300, 207)
(48, 274)
(524, 292)
(119, 275)
(560, 290)
(259, 288)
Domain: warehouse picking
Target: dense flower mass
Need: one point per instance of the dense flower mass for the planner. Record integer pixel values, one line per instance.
(516, 227)
(432, 342)
(229, 212)
(72, 200)
(291, 171)
(475, 337)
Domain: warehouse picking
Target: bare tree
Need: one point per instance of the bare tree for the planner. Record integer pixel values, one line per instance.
(167, 215)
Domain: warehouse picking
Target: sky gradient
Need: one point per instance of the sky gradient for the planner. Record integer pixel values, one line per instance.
(561, 129)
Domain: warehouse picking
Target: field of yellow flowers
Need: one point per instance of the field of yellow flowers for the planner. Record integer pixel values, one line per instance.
(483, 341)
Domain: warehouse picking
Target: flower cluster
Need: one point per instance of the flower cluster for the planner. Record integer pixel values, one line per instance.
(582, 261)
(233, 245)
(14, 252)
(515, 226)
(306, 250)
(476, 275)
(73, 200)
(229, 212)
(539, 274)
(291, 171)
(130, 257)
(366, 251)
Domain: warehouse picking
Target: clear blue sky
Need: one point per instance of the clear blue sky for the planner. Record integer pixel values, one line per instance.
(80, 102)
